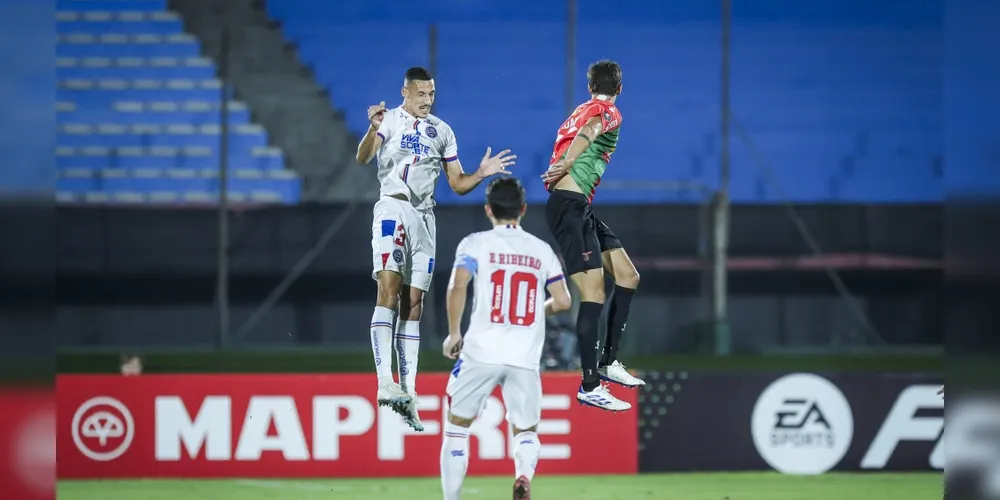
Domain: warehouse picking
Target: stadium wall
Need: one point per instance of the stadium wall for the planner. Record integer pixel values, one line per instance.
(283, 426)
(123, 271)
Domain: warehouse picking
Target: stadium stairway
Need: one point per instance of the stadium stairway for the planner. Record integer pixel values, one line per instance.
(266, 72)
(138, 114)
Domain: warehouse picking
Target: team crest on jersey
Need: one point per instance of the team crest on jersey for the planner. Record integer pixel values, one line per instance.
(397, 255)
(431, 131)
(607, 116)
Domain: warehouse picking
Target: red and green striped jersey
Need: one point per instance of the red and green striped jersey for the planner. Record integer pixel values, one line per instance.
(590, 166)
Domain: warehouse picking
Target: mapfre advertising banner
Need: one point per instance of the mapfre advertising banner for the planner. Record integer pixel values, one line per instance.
(280, 426)
(794, 423)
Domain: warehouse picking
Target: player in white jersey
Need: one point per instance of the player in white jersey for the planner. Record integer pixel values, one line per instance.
(412, 147)
(511, 271)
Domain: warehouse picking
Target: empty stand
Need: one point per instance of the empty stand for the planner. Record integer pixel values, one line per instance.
(138, 114)
(841, 101)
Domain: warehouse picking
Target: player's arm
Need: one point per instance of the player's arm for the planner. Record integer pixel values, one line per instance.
(373, 137)
(584, 138)
(458, 290)
(559, 299)
(461, 182)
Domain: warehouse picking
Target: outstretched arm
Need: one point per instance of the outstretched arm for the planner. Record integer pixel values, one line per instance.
(462, 182)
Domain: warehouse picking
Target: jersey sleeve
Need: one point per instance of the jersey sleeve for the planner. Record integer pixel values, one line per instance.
(553, 269)
(450, 152)
(610, 118)
(465, 255)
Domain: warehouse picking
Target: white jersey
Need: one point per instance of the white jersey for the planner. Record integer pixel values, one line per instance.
(510, 269)
(413, 153)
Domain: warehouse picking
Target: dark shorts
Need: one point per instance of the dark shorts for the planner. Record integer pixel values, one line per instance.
(581, 236)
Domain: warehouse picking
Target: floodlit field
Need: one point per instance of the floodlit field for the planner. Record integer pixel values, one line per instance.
(720, 486)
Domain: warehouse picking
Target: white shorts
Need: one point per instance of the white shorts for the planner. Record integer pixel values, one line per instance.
(471, 383)
(403, 241)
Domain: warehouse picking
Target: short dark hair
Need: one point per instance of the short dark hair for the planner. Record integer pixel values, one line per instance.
(417, 73)
(505, 196)
(604, 77)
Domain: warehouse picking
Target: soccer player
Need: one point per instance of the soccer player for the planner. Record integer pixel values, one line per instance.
(512, 270)
(412, 147)
(583, 148)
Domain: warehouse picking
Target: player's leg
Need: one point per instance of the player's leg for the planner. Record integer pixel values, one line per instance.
(388, 243)
(422, 239)
(620, 268)
(522, 395)
(571, 222)
(468, 387)
(408, 350)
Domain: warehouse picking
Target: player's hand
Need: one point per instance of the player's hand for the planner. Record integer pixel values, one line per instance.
(452, 346)
(490, 165)
(557, 171)
(376, 113)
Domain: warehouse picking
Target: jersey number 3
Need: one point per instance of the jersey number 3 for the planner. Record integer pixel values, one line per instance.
(520, 296)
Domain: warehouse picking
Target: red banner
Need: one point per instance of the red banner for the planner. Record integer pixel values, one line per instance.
(284, 426)
(27, 443)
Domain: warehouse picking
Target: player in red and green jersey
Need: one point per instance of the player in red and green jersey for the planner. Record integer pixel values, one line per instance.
(584, 145)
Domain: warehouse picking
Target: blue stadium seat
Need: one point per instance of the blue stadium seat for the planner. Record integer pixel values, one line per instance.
(134, 69)
(130, 27)
(138, 111)
(829, 99)
(111, 5)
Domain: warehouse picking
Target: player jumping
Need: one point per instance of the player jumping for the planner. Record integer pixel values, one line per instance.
(412, 146)
(512, 269)
(583, 148)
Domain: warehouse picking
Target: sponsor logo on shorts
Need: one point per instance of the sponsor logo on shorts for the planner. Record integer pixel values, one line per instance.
(802, 424)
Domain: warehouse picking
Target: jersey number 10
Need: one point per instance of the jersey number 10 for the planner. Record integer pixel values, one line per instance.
(519, 295)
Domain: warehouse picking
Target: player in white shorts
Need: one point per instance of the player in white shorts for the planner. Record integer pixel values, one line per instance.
(511, 270)
(412, 147)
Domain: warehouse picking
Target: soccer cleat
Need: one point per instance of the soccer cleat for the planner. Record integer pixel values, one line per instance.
(392, 395)
(409, 413)
(601, 398)
(616, 372)
(522, 489)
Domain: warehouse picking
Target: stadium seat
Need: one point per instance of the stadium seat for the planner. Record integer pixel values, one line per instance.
(138, 113)
(827, 104)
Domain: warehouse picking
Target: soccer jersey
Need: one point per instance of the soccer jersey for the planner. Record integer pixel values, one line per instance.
(413, 153)
(590, 166)
(510, 269)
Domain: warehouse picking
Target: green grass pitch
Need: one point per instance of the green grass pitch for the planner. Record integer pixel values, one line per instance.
(700, 486)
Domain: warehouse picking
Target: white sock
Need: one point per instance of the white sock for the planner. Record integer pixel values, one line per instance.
(381, 330)
(454, 460)
(527, 447)
(407, 351)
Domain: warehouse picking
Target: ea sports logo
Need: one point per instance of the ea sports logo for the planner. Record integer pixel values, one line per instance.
(802, 424)
(103, 428)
